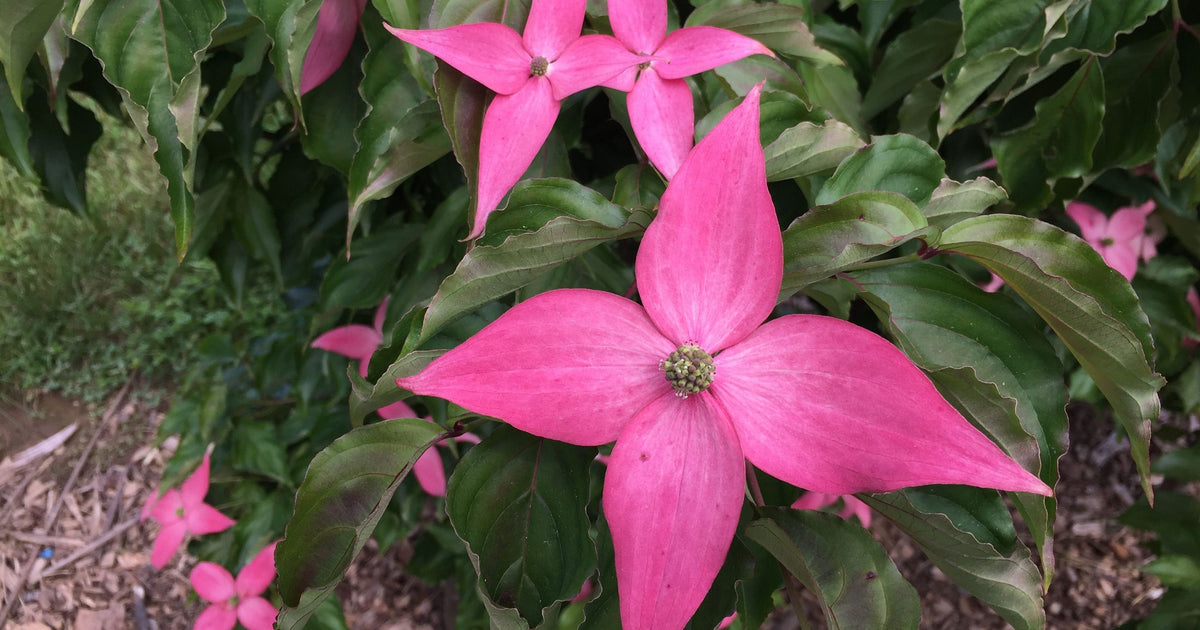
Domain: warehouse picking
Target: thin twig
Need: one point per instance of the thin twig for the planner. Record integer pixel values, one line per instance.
(44, 541)
(93, 546)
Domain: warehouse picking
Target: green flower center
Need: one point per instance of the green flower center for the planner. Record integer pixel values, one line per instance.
(689, 370)
(1107, 241)
(538, 66)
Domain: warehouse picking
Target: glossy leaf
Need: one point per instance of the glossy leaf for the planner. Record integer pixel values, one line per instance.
(519, 502)
(900, 164)
(290, 26)
(462, 102)
(1089, 305)
(1094, 26)
(809, 149)
(954, 201)
(834, 89)
(25, 23)
(851, 576)
(1137, 80)
(14, 135)
(915, 55)
(362, 281)
(344, 493)
(853, 229)
(780, 27)
(968, 534)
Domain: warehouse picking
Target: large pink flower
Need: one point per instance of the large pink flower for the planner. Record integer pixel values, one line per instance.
(660, 101)
(181, 512)
(236, 600)
(337, 21)
(691, 382)
(1121, 240)
(530, 75)
(355, 340)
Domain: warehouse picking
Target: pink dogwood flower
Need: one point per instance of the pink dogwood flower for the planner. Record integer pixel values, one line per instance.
(1193, 300)
(337, 21)
(1122, 239)
(660, 101)
(236, 600)
(691, 382)
(851, 505)
(428, 467)
(181, 512)
(530, 74)
(355, 340)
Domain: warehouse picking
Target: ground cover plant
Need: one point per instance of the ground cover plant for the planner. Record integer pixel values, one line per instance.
(621, 282)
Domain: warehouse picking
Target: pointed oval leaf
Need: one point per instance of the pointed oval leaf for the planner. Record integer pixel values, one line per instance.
(810, 149)
(780, 27)
(954, 201)
(25, 23)
(520, 504)
(914, 56)
(900, 164)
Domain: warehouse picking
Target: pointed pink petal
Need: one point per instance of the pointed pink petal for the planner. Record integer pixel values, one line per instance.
(1127, 225)
(572, 365)
(855, 507)
(216, 618)
(589, 61)
(625, 82)
(196, 485)
(490, 53)
(661, 114)
(823, 404)
(397, 410)
(672, 496)
(380, 316)
(354, 340)
(167, 509)
(337, 22)
(469, 438)
(1093, 225)
(814, 501)
(710, 265)
(695, 49)
(552, 25)
(639, 24)
(148, 507)
(994, 284)
(212, 582)
(514, 129)
(256, 576)
(167, 543)
(726, 622)
(1121, 257)
(205, 519)
(430, 473)
(256, 613)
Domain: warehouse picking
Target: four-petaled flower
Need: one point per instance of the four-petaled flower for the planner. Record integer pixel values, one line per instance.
(660, 101)
(181, 512)
(530, 74)
(692, 382)
(1121, 240)
(428, 467)
(337, 21)
(355, 340)
(236, 600)
(851, 505)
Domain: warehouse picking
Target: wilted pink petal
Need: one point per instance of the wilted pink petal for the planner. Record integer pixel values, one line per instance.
(826, 405)
(213, 582)
(430, 474)
(514, 128)
(589, 61)
(256, 613)
(672, 496)
(492, 54)
(721, 209)
(337, 22)
(216, 618)
(167, 543)
(694, 49)
(551, 365)
(639, 24)
(552, 25)
(663, 121)
(256, 576)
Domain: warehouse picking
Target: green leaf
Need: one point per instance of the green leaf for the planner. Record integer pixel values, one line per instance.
(14, 136)
(520, 504)
(25, 23)
(1137, 82)
(1183, 464)
(1094, 26)
(834, 89)
(1176, 570)
(547, 222)
(914, 56)
(742, 75)
(1092, 308)
(968, 534)
(852, 229)
(290, 26)
(851, 576)
(1057, 143)
(345, 492)
(810, 149)
(61, 159)
(366, 398)
(254, 225)
(990, 359)
(780, 27)
(363, 280)
(151, 51)
(900, 164)
(331, 114)
(954, 201)
(462, 102)
(257, 449)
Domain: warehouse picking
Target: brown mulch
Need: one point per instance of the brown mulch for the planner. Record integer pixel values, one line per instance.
(111, 583)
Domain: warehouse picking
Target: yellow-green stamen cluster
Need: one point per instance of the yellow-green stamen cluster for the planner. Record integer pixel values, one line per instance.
(539, 66)
(689, 369)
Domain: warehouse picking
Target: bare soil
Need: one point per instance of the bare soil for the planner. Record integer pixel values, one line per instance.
(79, 506)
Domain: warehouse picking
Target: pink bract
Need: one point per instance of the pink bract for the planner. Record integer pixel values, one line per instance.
(337, 21)
(233, 600)
(1122, 239)
(182, 512)
(815, 401)
(660, 101)
(355, 340)
(851, 505)
(530, 74)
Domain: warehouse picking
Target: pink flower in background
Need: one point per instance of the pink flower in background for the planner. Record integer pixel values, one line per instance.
(236, 600)
(994, 284)
(530, 75)
(1193, 300)
(428, 467)
(355, 340)
(1122, 239)
(660, 101)
(691, 383)
(851, 505)
(337, 23)
(182, 512)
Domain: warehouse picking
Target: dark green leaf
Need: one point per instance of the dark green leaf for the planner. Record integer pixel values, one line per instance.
(257, 449)
(809, 149)
(363, 280)
(780, 27)
(1183, 464)
(25, 23)
(954, 201)
(1094, 26)
(14, 136)
(1137, 79)
(834, 89)
(914, 56)
(1176, 570)
(290, 25)
(61, 159)
(900, 164)
(254, 224)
